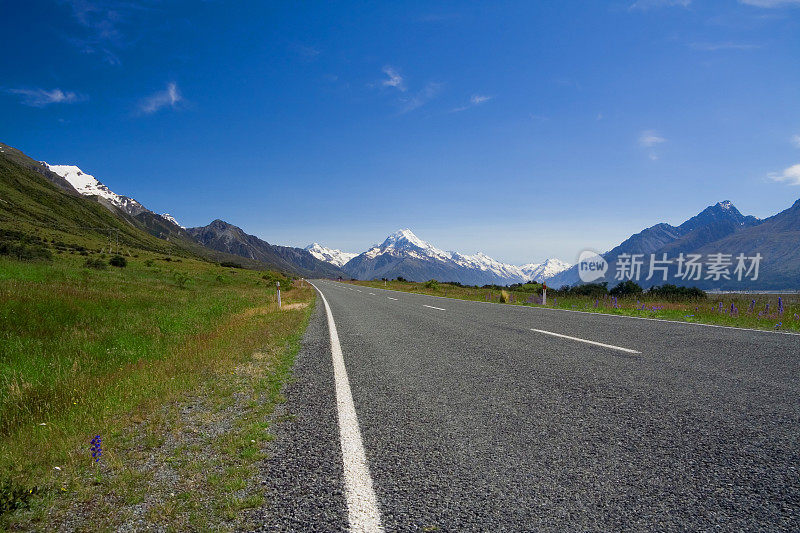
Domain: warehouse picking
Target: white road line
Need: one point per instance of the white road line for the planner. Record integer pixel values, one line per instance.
(362, 505)
(358, 290)
(628, 350)
(372, 293)
(395, 299)
(432, 307)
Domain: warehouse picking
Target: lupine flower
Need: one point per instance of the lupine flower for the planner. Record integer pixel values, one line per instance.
(766, 311)
(780, 305)
(720, 307)
(595, 302)
(96, 448)
(796, 317)
(687, 316)
(752, 306)
(779, 324)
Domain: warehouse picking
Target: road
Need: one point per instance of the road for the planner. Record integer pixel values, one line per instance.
(477, 416)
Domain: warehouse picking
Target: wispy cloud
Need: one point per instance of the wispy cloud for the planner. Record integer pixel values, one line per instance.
(713, 47)
(475, 100)
(649, 139)
(791, 175)
(394, 79)
(796, 140)
(169, 97)
(43, 97)
(770, 3)
(421, 98)
(104, 21)
(652, 4)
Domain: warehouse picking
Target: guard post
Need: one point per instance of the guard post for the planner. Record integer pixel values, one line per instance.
(279, 294)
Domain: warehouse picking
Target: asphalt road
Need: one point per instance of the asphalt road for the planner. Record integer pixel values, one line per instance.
(490, 417)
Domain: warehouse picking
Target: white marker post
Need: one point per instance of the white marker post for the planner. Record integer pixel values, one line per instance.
(544, 293)
(279, 294)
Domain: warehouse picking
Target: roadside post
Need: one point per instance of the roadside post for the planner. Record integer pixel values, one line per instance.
(544, 293)
(279, 294)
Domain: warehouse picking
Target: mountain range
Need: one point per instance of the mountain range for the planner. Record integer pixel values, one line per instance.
(403, 254)
(36, 195)
(718, 229)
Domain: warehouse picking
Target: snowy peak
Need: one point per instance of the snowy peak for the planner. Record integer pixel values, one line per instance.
(88, 185)
(170, 218)
(474, 269)
(542, 271)
(329, 255)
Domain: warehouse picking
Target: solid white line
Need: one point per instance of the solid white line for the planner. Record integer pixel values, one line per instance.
(362, 505)
(395, 299)
(432, 307)
(586, 341)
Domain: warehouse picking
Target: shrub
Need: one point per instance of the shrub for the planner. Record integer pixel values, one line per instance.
(431, 284)
(504, 297)
(25, 251)
(230, 264)
(118, 261)
(97, 264)
(626, 288)
(673, 292)
(148, 263)
(400, 278)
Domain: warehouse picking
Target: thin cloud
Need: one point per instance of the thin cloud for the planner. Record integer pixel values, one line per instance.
(394, 79)
(104, 22)
(421, 98)
(790, 176)
(650, 138)
(796, 140)
(169, 97)
(653, 4)
(43, 97)
(713, 47)
(475, 100)
(770, 3)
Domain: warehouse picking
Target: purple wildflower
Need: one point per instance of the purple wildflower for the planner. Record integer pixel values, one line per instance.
(96, 448)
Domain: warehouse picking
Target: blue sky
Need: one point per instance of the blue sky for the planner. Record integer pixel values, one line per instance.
(521, 129)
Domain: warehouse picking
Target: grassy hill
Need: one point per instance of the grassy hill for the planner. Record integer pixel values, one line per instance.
(93, 349)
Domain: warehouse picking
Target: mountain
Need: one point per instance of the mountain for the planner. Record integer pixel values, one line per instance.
(543, 271)
(405, 255)
(170, 218)
(225, 237)
(713, 223)
(329, 255)
(777, 239)
(88, 185)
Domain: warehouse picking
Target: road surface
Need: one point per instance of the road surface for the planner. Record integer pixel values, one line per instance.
(489, 417)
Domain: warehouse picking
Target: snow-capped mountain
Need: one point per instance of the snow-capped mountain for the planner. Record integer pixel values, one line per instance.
(88, 185)
(543, 271)
(170, 218)
(406, 255)
(330, 255)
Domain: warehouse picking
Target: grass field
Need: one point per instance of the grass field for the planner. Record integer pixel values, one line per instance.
(749, 311)
(97, 352)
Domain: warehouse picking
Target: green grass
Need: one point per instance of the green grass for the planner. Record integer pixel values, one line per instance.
(90, 352)
(704, 311)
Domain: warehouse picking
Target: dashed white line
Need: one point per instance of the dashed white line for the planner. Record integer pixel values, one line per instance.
(372, 293)
(358, 290)
(628, 350)
(432, 307)
(362, 505)
(395, 299)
